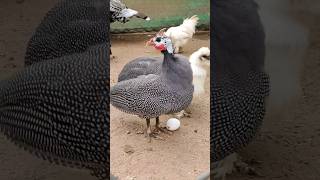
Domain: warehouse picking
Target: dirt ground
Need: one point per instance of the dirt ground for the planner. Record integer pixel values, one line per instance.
(182, 155)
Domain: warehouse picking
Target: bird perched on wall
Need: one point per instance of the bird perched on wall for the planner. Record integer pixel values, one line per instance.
(239, 84)
(58, 108)
(152, 95)
(180, 35)
(121, 13)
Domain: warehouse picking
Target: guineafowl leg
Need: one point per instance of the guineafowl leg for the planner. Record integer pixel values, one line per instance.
(111, 56)
(162, 129)
(148, 130)
(158, 125)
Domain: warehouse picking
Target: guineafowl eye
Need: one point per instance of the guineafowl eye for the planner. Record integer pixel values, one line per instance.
(158, 39)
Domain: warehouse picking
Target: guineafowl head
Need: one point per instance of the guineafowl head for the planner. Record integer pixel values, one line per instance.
(161, 42)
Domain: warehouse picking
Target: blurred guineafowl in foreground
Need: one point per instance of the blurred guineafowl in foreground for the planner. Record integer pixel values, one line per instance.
(152, 95)
(239, 84)
(69, 27)
(59, 108)
(63, 32)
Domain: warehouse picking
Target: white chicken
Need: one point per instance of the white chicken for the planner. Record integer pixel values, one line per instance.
(180, 35)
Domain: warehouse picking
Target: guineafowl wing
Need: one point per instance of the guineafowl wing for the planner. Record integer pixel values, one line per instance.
(141, 66)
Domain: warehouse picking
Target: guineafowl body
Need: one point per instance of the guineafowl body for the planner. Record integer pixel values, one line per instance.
(58, 106)
(239, 85)
(153, 65)
(147, 65)
(152, 95)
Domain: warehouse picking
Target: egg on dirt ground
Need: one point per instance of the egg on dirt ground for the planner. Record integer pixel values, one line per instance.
(173, 124)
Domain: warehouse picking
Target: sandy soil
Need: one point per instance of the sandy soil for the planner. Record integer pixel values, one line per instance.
(182, 155)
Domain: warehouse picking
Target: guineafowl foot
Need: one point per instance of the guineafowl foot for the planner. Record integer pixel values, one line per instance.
(114, 58)
(176, 50)
(229, 164)
(159, 128)
(182, 114)
(244, 168)
(180, 50)
(224, 167)
(162, 129)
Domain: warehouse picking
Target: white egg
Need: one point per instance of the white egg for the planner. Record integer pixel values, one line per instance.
(173, 124)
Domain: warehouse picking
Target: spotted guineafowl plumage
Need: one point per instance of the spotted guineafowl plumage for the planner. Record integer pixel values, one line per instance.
(152, 65)
(69, 27)
(59, 108)
(152, 95)
(239, 85)
(144, 66)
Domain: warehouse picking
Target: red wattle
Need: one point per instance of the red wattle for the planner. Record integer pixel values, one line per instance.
(161, 47)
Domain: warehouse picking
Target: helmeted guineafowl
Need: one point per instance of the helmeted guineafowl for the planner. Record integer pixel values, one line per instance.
(239, 85)
(59, 108)
(152, 65)
(152, 95)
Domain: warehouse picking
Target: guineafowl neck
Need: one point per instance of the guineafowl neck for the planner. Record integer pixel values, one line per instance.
(168, 61)
(174, 72)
